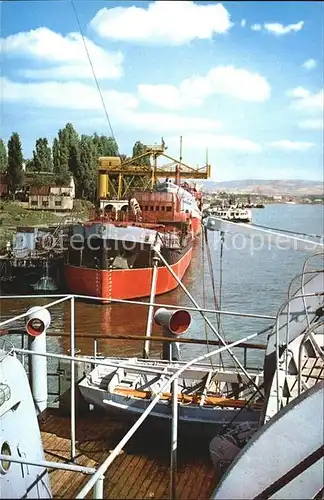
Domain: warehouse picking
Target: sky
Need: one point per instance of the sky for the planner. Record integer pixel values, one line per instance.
(243, 79)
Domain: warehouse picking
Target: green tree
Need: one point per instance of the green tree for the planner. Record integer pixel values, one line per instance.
(42, 156)
(56, 155)
(65, 154)
(75, 161)
(87, 180)
(139, 149)
(15, 163)
(30, 167)
(3, 157)
(42, 180)
(105, 146)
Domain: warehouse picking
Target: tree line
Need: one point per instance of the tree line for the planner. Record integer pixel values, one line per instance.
(71, 154)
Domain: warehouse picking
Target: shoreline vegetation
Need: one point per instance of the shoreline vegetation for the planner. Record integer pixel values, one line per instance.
(15, 214)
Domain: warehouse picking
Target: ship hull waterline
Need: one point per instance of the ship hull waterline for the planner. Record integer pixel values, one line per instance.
(124, 284)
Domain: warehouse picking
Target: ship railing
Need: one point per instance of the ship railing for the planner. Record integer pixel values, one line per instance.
(97, 338)
(245, 350)
(303, 296)
(96, 480)
(173, 380)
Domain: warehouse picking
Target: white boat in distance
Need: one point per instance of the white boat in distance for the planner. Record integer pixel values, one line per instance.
(232, 213)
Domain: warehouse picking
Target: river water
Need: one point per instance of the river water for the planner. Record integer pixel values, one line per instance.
(253, 281)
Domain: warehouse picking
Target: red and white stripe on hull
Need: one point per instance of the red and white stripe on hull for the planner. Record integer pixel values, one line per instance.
(123, 283)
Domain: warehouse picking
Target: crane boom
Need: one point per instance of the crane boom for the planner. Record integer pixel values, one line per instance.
(117, 179)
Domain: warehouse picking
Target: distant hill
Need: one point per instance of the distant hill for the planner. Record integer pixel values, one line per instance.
(267, 187)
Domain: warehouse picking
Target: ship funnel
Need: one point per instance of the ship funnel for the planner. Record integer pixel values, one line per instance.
(38, 320)
(177, 322)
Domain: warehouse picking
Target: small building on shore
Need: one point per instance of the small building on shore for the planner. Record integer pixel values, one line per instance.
(55, 198)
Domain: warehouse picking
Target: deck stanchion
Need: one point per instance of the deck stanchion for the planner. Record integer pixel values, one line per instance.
(146, 351)
(174, 439)
(245, 357)
(95, 348)
(72, 347)
(22, 345)
(98, 489)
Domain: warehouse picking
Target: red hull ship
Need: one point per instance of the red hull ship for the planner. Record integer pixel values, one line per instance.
(113, 259)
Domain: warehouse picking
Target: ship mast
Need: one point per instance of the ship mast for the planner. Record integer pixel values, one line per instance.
(178, 167)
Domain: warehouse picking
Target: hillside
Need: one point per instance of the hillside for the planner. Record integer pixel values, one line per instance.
(267, 187)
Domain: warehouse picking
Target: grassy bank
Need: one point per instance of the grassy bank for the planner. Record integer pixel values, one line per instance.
(13, 214)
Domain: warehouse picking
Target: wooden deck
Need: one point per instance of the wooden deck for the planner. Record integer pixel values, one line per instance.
(140, 471)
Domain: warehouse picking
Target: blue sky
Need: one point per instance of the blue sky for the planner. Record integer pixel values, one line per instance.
(244, 79)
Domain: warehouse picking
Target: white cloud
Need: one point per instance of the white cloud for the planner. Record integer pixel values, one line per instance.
(298, 92)
(311, 103)
(243, 23)
(160, 122)
(279, 29)
(306, 100)
(65, 55)
(165, 96)
(217, 142)
(310, 64)
(83, 97)
(312, 124)
(286, 145)
(65, 95)
(162, 22)
(223, 80)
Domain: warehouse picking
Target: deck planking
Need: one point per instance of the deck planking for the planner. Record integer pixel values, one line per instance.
(142, 469)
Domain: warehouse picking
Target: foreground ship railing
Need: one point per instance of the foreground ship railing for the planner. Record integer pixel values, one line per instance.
(96, 481)
(97, 475)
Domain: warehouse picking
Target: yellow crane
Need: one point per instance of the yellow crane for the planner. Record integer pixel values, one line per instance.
(117, 179)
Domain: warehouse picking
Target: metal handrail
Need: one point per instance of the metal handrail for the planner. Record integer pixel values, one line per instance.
(96, 361)
(105, 465)
(310, 257)
(24, 315)
(299, 275)
(280, 311)
(141, 303)
(98, 475)
(137, 338)
(48, 464)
